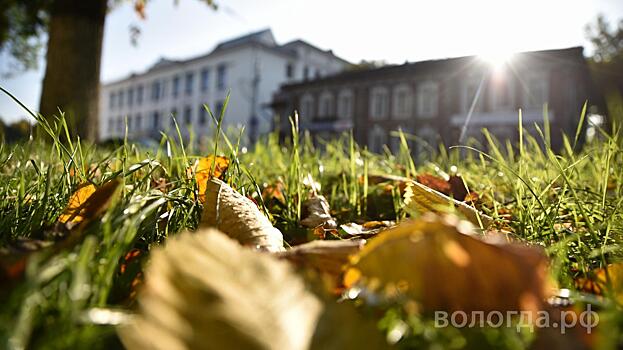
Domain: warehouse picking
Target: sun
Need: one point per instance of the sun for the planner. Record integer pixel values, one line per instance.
(496, 58)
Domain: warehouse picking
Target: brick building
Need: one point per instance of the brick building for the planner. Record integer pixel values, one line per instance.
(432, 99)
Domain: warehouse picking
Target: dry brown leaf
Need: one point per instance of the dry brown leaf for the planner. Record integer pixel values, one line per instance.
(325, 256)
(434, 182)
(316, 212)
(435, 261)
(203, 291)
(424, 199)
(238, 217)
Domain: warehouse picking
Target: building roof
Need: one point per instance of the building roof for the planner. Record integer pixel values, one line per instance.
(566, 55)
(263, 38)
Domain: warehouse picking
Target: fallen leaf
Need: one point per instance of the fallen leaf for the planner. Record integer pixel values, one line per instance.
(72, 212)
(434, 182)
(203, 291)
(274, 193)
(238, 217)
(367, 229)
(457, 187)
(435, 261)
(207, 168)
(325, 256)
(316, 212)
(603, 281)
(424, 199)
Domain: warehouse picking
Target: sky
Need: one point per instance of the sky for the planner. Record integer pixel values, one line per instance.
(391, 30)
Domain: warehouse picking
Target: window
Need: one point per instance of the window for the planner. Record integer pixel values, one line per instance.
(427, 99)
(187, 115)
(188, 88)
(470, 90)
(205, 79)
(138, 122)
(111, 125)
(289, 70)
(203, 115)
(155, 120)
(377, 138)
(401, 102)
(345, 105)
(325, 107)
(306, 73)
(130, 96)
(501, 95)
(221, 76)
(176, 86)
(307, 106)
(155, 90)
(112, 99)
(119, 125)
(537, 93)
(379, 103)
(139, 95)
(121, 97)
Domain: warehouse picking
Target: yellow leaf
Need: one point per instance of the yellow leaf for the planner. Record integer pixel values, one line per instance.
(74, 209)
(435, 261)
(207, 168)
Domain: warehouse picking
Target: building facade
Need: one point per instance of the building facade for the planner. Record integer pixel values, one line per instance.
(448, 100)
(250, 68)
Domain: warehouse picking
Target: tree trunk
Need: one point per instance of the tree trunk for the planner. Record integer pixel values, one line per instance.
(72, 73)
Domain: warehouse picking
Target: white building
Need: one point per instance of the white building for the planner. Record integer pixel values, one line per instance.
(251, 68)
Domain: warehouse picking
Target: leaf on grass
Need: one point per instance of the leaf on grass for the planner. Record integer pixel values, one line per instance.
(316, 212)
(367, 229)
(85, 205)
(238, 217)
(603, 281)
(424, 199)
(325, 256)
(203, 291)
(72, 212)
(209, 167)
(434, 182)
(436, 262)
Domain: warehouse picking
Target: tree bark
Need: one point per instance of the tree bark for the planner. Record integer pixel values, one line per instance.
(72, 73)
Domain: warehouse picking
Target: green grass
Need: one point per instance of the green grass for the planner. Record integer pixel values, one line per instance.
(568, 202)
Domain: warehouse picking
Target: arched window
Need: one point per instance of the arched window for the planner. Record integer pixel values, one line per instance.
(428, 99)
(377, 138)
(345, 104)
(307, 106)
(401, 106)
(325, 105)
(379, 103)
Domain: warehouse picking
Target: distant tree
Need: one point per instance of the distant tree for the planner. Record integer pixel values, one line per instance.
(607, 61)
(75, 31)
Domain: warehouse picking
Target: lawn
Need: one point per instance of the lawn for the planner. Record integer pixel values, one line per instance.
(73, 273)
